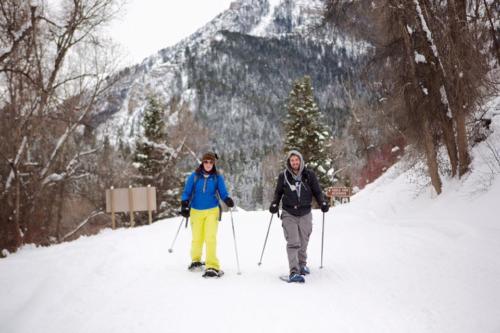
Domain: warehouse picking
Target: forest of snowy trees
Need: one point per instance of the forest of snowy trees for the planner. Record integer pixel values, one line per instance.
(429, 71)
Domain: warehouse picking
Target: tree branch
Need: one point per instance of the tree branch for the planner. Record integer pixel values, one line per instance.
(83, 223)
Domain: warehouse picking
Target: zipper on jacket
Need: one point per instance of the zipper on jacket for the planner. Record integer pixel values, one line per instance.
(205, 183)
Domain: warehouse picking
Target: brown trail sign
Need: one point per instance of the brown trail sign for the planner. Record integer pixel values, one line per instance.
(130, 200)
(340, 192)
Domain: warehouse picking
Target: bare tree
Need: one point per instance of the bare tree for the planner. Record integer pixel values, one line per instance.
(53, 68)
(438, 79)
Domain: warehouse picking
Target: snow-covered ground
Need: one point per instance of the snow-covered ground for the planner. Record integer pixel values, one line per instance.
(397, 259)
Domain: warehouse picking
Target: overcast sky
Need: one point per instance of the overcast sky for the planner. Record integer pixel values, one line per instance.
(146, 26)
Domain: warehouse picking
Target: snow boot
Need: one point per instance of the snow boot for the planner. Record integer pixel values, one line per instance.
(196, 266)
(304, 270)
(294, 277)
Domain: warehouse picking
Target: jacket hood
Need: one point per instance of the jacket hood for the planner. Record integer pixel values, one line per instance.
(289, 167)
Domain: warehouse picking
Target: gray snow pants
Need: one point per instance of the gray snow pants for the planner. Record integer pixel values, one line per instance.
(297, 230)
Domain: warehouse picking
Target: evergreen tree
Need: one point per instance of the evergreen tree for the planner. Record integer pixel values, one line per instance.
(306, 130)
(155, 160)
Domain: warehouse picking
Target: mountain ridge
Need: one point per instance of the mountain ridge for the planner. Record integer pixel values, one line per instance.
(236, 83)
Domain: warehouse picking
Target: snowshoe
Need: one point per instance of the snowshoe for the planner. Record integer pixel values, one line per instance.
(196, 266)
(294, 277)
(212, 272)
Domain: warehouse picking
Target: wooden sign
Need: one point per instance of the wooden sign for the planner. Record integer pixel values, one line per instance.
(338, 192)
(130, 200)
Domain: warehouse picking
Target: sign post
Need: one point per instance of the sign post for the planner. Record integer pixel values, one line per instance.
(131, 205)
(148, 198)
(112, 199)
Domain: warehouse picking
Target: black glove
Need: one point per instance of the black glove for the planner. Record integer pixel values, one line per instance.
(229, 202)
(185, 208)
(325, 206)
(273, 209)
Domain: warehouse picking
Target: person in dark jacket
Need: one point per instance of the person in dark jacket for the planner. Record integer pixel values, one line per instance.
(296, 188)
(200, 201)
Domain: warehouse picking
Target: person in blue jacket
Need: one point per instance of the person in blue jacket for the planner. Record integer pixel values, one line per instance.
(200, 201)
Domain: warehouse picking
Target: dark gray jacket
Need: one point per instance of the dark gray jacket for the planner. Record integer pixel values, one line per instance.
(291, 201)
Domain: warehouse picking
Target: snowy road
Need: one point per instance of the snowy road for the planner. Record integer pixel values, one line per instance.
(396, 260)
(393, 262)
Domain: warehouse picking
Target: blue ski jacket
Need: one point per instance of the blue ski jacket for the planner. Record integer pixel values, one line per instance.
(203, 192)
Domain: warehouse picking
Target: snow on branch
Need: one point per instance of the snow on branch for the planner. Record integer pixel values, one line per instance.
(160, 146)
(70, 169)
(190, 151)
(430, 40)
(83, 223)
(60, 143)
(426, 29)
(14, 165)
(54, 177)
(420, 58)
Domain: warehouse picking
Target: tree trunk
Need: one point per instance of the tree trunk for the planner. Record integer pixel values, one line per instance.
(459, 103)
(461, 8)
(432, 74)
(431, 156)
(17, 226)
(450, 142)
(59, 211)
(463, 144)
(420, 106)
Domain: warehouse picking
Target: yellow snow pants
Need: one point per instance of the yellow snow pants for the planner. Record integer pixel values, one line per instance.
(204, 225)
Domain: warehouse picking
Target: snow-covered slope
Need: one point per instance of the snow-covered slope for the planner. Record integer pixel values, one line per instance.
(396, 260)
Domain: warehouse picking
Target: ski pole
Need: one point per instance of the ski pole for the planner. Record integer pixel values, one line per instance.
(177, 234)
(322, 239)
(265, 241)
(235, 247)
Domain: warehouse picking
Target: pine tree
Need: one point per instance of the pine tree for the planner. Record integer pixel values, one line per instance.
(155, 160)
(306, 130)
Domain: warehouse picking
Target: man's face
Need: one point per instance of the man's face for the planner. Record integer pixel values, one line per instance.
(295, 162)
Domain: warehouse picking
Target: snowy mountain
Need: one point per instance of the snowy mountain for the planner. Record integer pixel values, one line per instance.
(235, 74)
(395, 260)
